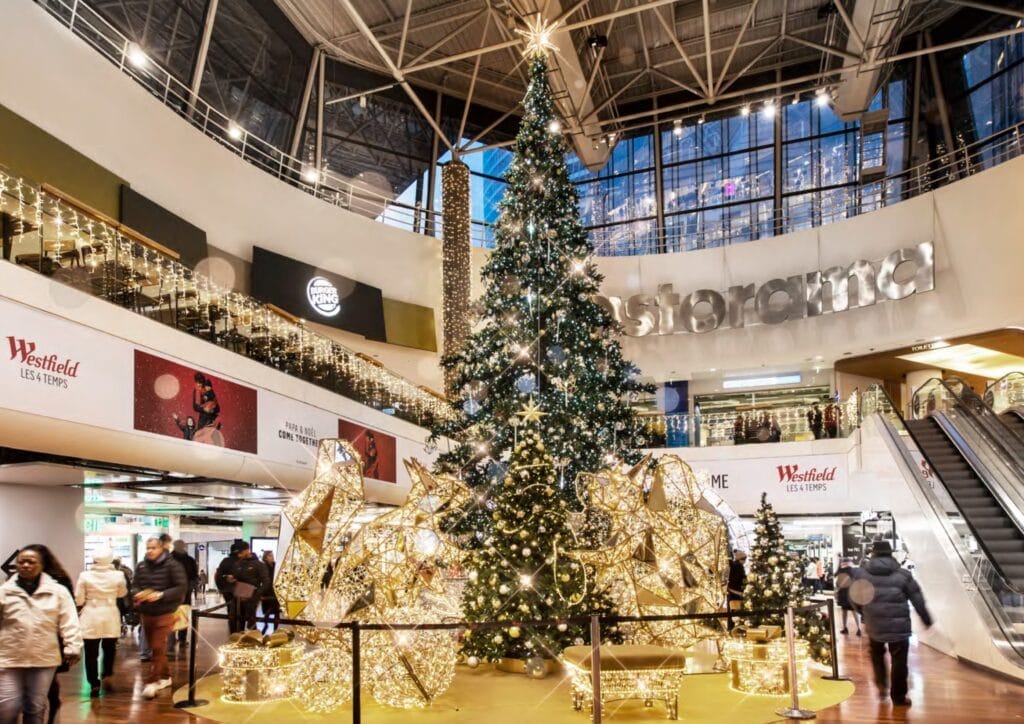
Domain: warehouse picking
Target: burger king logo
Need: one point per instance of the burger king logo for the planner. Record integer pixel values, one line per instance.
(323, 296)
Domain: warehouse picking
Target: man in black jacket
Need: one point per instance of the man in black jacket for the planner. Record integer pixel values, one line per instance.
(243, 579)
(159, 587)
(737, 582)
(179, 553)
(881, 590)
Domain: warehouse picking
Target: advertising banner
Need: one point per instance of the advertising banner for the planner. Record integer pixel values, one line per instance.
(178, 401)
(290, 431)
(377, 449)
(52, 367)
(798, 483)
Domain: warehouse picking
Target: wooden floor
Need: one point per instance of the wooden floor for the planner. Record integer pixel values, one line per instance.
(942, 689)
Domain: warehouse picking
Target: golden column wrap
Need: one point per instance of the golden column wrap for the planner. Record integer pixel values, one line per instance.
(455, 246)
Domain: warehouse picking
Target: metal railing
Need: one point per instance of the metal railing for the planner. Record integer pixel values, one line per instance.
(594, 623)
(625, 239)
(998, 596)
(1006, 392)
(76, 248)
(749, 426)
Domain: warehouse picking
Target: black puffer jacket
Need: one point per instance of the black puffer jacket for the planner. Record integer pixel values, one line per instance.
(165, 575)
(881, 590)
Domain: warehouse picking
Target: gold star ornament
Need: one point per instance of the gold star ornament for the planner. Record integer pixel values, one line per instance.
(531, 412)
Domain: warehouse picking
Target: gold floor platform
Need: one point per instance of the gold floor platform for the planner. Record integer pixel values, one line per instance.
(485, 695)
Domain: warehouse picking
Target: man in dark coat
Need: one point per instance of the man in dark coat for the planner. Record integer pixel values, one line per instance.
(179, 552)
(737, 582)
(158, 588)
(881, 590)
(243, 579)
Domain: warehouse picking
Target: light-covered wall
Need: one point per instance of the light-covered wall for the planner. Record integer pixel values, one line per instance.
(60, 84)
(23, 430)
(49, 515)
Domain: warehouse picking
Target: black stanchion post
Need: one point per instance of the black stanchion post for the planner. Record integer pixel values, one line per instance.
(595, 666)
(193, 646)
(356, 704)
(832, 644)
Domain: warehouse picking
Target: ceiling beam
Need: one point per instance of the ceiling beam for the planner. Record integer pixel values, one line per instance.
(823, 48)
(706, 8)
(461, 28)
(684, 56)
(990, 8)
(395, 72)
(735, 46)
(405, 32)
(596, 20)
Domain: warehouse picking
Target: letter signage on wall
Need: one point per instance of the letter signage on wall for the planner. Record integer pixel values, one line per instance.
(836, 289)
(796, 483)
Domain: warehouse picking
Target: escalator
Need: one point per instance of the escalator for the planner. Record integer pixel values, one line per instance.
(993, 528)
(1014, 421)
(952, 493)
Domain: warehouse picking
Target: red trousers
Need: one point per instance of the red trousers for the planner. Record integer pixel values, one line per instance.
(157, 628)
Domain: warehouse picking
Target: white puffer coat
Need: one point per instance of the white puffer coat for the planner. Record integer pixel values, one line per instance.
(97, 591)
(29, 625)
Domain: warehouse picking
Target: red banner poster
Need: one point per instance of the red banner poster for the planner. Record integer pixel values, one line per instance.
(179, 401)
(377, 449)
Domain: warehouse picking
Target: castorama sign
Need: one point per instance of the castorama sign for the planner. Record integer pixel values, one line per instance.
(861, 284)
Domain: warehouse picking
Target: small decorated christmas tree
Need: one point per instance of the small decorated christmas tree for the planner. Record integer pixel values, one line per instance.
(775, 580)
(522, 572)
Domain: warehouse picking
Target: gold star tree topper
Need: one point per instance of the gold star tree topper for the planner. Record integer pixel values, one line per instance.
(539, 36)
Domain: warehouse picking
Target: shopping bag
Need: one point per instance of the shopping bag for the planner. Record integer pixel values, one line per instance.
(182, 617)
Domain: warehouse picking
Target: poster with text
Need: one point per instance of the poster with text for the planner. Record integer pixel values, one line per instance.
(795, 484)
(52, 367)
(377, 449)
(178, 401)
(290, 431)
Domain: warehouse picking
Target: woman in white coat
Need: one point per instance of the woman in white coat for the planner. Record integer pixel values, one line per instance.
(97, 593)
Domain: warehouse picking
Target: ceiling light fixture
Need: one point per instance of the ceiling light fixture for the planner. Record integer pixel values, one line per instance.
(235, 132)
(821, 97)
(677, 127)
(769, 108)
(362, 101)
(310, 175)
(701, 119)
(745, 110)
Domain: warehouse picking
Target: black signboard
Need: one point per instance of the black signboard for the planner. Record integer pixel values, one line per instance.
(317, 295)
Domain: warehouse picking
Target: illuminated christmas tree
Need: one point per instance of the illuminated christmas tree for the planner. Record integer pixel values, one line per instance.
(523, 571)
(775, 580)
(540, 338)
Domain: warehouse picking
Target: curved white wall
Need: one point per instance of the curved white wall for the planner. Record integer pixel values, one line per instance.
(62, 85)
(975, 225)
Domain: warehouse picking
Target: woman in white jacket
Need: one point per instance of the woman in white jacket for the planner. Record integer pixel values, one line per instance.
(34, 610)
(97, 593)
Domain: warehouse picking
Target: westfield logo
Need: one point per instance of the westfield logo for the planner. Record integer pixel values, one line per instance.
(793, 474)
(24, 350)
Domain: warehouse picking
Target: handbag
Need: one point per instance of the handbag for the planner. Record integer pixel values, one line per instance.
(182, 617)
(243, 591)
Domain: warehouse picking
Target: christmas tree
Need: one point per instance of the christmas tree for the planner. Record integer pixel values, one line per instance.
(522, 572)
(540, 338)
(775, 580)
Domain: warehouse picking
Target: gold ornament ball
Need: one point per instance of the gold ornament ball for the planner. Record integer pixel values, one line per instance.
(472, 662)
(562, 627)
(536, 667)
(514, 632)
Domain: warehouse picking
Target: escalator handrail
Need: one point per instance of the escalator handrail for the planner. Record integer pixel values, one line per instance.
(991, 386)
(972, 405)
(983, 580)
(965, 556)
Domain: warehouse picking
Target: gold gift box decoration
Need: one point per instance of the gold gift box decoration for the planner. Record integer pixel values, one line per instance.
(762, 667)
(260, 668)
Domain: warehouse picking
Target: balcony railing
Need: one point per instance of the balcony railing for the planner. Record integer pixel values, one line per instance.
(53, 235)
(628, 238)
(750, 425)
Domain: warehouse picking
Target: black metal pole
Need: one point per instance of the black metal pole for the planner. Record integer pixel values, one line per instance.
(832, 643)
(357, 714)
(193, 646)
(595, 667)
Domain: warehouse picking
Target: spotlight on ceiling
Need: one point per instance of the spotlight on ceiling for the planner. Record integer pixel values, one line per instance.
(745, 110)
(769, 108)
(596, 42)
(821, 97)
(362, 101)
(235, 132)
(677, 127)
(137, 56)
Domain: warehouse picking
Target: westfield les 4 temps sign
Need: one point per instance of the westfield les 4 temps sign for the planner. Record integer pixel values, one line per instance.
(797, 479)
(48, 369)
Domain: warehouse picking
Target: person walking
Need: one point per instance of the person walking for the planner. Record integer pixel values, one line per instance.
(97, 593)
(737, 582)
(38, 631)
(159, 588)
(179, 552)
(881, 590)
(269, 604)
(844, 579)
(53, 568)
(245, 577)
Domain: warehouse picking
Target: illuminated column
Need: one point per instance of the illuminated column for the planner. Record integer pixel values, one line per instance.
(455, 245)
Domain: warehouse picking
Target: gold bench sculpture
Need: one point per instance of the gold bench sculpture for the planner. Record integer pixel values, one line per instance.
(648, 673)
